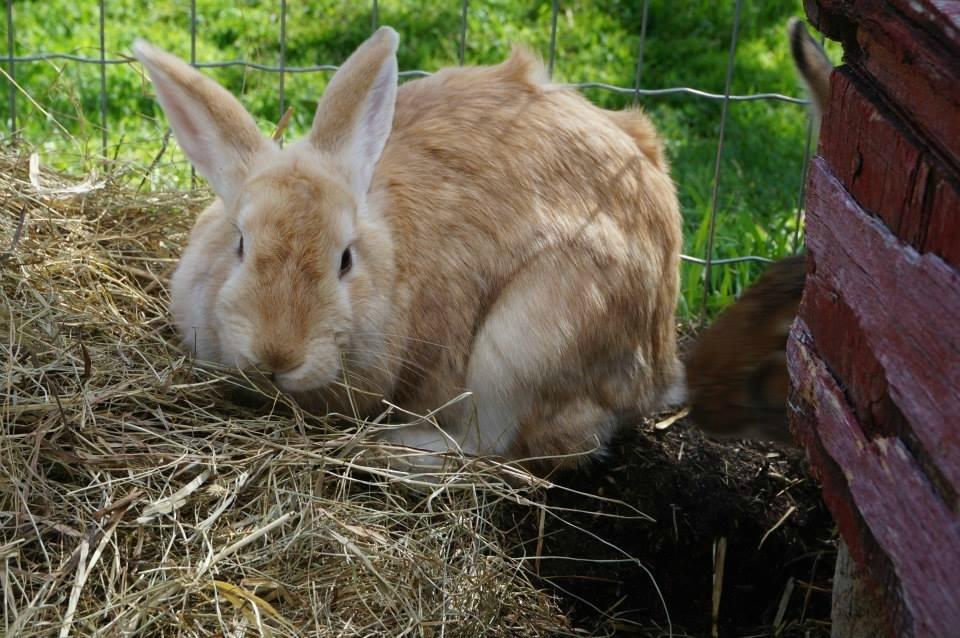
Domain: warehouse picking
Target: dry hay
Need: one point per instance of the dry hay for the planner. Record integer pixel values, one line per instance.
(136, 500)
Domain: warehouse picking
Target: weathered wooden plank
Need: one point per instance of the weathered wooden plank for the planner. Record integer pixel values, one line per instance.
(857, 611)
(854, 532)
(845, 348)
(917, 77)
(941, 18)
(876, 484)
(909, 51)
(943, 231)
(888, 171)
(829, 19)
(875, 352)
(884, 171)
(906, 305)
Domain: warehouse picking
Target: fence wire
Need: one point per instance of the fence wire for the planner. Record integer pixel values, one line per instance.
(281, 69)
(731, 59)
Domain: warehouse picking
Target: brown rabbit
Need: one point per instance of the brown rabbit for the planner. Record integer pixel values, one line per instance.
(736, 372)
(480, 230)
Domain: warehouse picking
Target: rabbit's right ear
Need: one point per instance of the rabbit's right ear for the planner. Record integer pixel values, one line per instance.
(355, 114)
(217, 134)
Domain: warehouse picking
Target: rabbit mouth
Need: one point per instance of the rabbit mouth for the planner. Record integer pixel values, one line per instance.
(305, 378)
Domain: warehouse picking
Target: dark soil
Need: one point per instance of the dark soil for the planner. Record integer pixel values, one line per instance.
(607, 569)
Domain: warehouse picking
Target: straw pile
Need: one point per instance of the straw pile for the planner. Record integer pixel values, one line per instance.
(138, 499)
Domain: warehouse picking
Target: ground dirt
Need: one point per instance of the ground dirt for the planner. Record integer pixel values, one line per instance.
(609, 572)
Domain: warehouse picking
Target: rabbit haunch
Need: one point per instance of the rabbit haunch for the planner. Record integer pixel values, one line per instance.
(504, 237)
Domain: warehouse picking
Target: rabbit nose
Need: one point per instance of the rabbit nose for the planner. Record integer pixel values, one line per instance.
(277, 359)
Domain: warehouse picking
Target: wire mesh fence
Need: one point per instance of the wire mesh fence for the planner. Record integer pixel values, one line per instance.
(282, 70)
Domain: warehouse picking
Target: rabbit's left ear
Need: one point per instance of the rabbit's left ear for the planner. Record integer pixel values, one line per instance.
(355, 114)
(217, 134)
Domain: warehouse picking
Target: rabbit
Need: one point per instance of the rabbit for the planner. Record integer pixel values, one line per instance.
(737, 379)
(479, 231)
(737, 370)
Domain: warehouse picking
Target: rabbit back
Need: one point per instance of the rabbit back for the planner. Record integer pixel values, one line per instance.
(538, 240)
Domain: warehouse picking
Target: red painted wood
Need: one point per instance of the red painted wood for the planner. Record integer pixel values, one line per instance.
(943, 232)
(907, 49)
(845, 348)
(860, 542)
(863, 548)
(907, 539)
(939, 17)
(906, 68)
(875, 352)
(907, 306)
(884, 171)
(888, 170)
(828, 18)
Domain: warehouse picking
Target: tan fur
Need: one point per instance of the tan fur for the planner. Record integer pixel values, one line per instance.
(516, 242)
(644, 135)
(227, 118)
(335, 115)
(736, 372)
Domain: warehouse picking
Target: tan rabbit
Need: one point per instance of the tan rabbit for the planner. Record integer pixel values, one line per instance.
(477, 230)
(736, 371)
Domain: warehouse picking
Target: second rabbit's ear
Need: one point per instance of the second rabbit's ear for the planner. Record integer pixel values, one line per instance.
(216, 133)
(811, 62)
(355, 115)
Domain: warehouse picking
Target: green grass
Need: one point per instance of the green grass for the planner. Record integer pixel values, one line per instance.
(597, 40)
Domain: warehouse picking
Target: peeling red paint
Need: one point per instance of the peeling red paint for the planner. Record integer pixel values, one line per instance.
(875, 353)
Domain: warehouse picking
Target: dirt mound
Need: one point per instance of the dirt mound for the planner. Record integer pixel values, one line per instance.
(646, 560)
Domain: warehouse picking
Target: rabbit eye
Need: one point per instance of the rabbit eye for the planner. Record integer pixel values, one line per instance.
(240, 248)
(346, 261)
